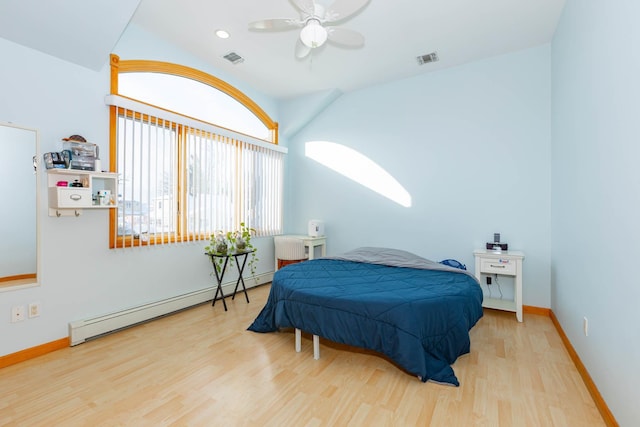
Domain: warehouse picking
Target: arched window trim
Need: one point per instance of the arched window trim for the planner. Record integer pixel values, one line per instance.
(130, 66)
(147, 66)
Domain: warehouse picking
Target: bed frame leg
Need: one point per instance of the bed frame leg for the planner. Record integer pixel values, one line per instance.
(316, 344)
(316, 347)
(298, 340)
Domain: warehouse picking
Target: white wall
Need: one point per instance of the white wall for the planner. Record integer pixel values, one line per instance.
(471, 146)
(80, 276)
(596, 193)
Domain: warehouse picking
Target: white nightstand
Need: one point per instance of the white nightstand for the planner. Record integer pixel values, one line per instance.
(310, 243)
(506, 263)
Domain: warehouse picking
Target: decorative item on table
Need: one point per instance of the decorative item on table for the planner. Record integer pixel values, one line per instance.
(218, 244)
(231, 243)
(241, 245)
(242, 238)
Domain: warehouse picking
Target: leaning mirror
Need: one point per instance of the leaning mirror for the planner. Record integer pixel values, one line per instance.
(18, 191)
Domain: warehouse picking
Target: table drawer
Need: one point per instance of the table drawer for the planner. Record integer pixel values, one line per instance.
(499, 266)
(69, 197)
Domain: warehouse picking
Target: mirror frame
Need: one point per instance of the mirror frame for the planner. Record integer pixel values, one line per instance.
(25, 283)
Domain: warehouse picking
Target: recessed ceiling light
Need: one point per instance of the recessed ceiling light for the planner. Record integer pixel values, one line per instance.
(222, 34)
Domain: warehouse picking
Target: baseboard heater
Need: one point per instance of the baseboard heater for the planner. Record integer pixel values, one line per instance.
(83, 330)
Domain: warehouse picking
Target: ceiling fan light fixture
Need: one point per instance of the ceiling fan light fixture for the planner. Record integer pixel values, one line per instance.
(313, 34)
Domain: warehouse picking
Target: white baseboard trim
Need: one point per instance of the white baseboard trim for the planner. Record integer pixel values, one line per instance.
(82, 330)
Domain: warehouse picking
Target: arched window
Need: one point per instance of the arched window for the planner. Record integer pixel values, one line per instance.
(195, 156)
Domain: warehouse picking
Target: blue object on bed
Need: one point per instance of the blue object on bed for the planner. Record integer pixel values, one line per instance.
(413, 310)
(453, 263)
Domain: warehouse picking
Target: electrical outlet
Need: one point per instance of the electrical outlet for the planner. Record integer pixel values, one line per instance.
(17, 313)
(34, 310)
(585, 326)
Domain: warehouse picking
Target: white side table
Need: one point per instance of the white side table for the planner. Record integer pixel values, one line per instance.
(506, 263)
(311, 243)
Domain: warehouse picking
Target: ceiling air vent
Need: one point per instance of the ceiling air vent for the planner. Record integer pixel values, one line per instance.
(234, 58)
(425, 59)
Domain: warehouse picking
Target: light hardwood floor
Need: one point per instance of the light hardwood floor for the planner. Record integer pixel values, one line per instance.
(201, 367)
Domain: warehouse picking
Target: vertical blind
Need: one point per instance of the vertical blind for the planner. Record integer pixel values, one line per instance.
(183, 180)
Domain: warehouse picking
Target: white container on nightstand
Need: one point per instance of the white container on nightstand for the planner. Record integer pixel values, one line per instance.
(316, 228)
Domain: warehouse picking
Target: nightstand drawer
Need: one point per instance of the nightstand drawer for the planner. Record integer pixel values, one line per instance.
(499, 266)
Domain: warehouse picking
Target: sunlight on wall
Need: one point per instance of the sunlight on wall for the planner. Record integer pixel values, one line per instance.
(359, 168)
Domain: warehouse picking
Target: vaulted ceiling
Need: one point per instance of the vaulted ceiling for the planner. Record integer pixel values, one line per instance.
(395, 32)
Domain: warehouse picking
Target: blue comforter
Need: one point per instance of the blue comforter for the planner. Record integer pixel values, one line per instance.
(415, 311)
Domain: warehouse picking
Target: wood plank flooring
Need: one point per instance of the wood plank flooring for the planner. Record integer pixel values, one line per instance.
(201, 367)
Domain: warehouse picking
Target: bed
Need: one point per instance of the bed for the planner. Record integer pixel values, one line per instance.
(415, 311)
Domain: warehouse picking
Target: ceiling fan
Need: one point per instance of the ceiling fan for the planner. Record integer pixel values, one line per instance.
(318, 24)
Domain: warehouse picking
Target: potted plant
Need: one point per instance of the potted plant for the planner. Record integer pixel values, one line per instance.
(242, 243)
(217, 246)
(233, 242)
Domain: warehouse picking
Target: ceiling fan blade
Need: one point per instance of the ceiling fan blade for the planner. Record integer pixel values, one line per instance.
(302, 50)
(274, 25)
(345, 37)
(305, 6)
(341, 10)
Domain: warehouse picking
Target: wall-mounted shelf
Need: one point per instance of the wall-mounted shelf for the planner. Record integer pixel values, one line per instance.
(70, 201)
